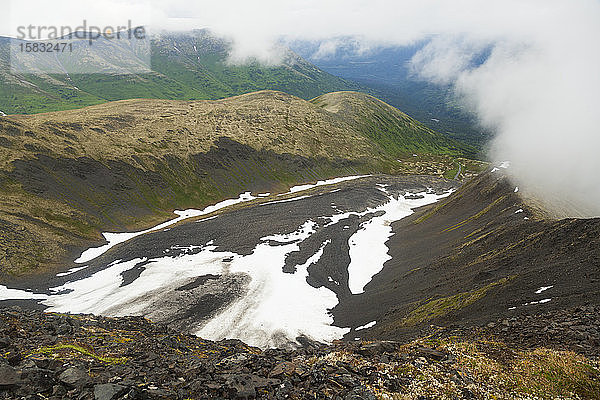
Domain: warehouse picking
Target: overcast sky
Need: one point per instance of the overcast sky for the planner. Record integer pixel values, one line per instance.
(539, 89)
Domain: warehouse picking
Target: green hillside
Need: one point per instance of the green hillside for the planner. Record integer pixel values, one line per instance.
(392, 129)
(185, 67)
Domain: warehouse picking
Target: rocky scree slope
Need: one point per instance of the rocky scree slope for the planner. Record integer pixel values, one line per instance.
(54, 356)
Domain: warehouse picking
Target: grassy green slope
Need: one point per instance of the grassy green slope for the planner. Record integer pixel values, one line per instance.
(396, 132)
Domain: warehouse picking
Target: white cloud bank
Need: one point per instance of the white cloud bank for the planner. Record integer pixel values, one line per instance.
(539, 89)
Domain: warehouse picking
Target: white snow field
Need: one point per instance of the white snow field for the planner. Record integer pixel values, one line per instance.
(274, 308)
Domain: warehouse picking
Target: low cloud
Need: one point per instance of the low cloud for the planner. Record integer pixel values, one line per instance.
(540, 93)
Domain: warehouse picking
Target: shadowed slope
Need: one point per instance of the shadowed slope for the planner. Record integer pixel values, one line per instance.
(480, 255)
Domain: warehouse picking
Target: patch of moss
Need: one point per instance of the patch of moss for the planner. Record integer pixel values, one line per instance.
(62, 347)
(476, 216)
(442, 306)
(506, 250)
(438, 207)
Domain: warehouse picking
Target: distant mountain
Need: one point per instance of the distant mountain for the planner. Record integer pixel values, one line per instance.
(193, 66)
(386, 72)
(67, 176)
(184, 67)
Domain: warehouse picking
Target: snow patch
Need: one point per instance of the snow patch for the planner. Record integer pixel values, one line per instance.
(366, 326)
(273, 310)
(114, 239)
(286, 200)
(537, 302)
(503, 164)
(368, 251)
(330, 279)
(383, 187)
(300, 188)
(207, 219)
(17, 294)
(543, 289)
(71, 271)
(276, 305)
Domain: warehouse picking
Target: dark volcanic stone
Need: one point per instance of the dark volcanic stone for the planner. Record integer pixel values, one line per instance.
(74, 377)
(245, 385)
(59, 391)
(360, 393)
(42, 379)
(371, 349)
(108, 391)
(285, 367)
(13, 357)
(431, 353)
(164, 364)
(8, 376)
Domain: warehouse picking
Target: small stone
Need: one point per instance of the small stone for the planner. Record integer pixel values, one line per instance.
(59, 391)
(4, 343)
(431, 353)
(285, 367)
(374, 348)
(241, 386)
(421, 361)
(13, 357)
(64, 329)
(360, 393)
(74, 377)
(108, 391)
(346, 380)
(8, 376)
(43, 379)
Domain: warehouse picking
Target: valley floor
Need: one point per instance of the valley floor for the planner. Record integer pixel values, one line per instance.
(267, 272)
